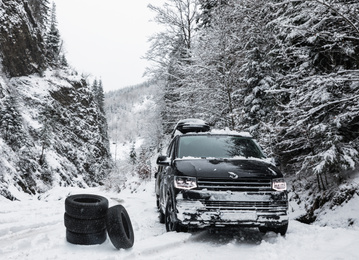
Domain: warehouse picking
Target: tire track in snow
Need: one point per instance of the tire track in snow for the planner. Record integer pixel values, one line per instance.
(154, 246)
(28, 224)
(29, 237)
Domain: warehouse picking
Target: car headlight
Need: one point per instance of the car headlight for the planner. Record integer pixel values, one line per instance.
(185, 183)
(279, 185)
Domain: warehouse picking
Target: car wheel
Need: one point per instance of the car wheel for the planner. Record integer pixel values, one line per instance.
(86, 239)
(86, 206)
(84, 226)
(158, 201)
(263, 230)
(119, 227)
(161, 215)
(170, 217)
(281, 230)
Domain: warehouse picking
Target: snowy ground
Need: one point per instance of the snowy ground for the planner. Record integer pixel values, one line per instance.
(34, 229)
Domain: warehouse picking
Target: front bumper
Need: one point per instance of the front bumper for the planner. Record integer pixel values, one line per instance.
(201, 208)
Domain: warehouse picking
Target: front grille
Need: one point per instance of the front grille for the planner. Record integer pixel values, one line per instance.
(235, 185)
(245, 205)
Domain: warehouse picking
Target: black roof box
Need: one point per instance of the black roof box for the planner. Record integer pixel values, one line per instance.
(191, 125)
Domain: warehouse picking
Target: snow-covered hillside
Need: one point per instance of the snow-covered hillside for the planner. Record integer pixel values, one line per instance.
(33, 228)
(52, 128)
(51, 134)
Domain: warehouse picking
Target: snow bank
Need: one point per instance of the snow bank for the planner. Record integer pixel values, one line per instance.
(344, 215)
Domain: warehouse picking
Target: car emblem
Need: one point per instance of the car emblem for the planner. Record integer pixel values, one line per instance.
(233, 175)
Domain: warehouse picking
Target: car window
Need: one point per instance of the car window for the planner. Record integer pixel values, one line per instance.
(209, 146)
(170, 149)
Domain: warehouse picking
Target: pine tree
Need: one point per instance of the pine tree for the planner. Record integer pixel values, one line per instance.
(11, 125)
(40, 11)
(207, 7)
(53, 41)
(100, 96)
(228, 63)
(97, 90)
(143, 167)
(94, 87)
(63, 61)
(133, 156)
(317, 64)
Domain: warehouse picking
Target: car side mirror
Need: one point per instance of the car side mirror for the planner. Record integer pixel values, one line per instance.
(163, 160)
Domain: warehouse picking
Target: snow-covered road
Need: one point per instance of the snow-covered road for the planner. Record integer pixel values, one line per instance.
(34, 229)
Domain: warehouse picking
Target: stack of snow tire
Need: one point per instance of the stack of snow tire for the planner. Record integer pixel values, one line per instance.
(88, 219)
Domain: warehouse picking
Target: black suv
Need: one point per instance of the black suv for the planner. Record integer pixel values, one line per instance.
(219, 179)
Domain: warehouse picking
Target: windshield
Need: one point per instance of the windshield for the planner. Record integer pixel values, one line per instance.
(214, 146)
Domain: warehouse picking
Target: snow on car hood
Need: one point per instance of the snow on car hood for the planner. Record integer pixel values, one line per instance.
(220, 168)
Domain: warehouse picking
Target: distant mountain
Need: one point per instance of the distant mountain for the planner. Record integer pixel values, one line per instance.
(135, 130)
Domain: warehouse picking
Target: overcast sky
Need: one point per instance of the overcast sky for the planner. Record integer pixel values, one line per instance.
(107, 39)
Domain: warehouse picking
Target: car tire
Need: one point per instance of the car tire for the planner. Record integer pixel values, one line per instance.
(161, 216)
(263, 230)
(84, 226)
(86, 239)
(119, 227)
(86, 206)
(171, 218)
(279, 230)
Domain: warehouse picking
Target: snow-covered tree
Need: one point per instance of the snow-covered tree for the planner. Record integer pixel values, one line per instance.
(170, 49)
(11, 125)
(40, 11)
(97, 90)
(53, 41)
(94, 87)
(143, 165)
(229, 60)
(100, 96)
(133, 156)
(317, 67)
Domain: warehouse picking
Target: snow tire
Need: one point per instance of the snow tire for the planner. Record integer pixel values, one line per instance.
(86, 239)
(171, 221)
(282, 230)
(161, 215)
(84, 226)
(119, 227)
(86, 206)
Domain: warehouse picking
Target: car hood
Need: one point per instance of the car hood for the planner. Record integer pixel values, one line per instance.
(243, 168)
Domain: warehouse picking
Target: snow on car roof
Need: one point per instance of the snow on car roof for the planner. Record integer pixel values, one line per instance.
(225, 131)
(192, 121)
